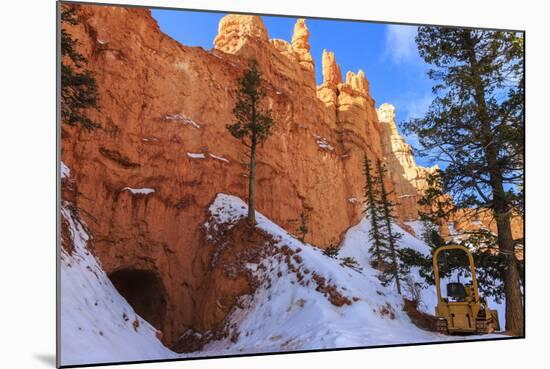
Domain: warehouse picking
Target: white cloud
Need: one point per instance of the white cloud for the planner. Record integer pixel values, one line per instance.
(400, 44)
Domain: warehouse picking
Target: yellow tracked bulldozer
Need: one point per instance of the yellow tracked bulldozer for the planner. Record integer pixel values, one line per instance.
(463, 310)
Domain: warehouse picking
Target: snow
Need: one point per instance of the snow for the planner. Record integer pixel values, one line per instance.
(284, 314)
(64, 171)
(196, 155)
(139, 191)
(417, 226)
(219, 158)
(93, 327)
(182, 119)
(353, 200)
(356, 244)
(323, 143)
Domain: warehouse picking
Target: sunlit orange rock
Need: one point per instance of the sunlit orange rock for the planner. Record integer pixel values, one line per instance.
(410, 179)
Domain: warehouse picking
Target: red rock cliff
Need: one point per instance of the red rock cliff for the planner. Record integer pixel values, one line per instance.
(143, 183)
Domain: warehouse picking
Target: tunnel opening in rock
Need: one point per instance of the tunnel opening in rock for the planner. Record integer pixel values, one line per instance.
(144, 291)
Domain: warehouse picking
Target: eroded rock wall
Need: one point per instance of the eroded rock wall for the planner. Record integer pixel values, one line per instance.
(144, 181)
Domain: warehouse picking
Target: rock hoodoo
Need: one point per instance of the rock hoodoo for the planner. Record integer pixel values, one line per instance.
(300, 45)
(237, 34)
(332, 75)
(409, 179)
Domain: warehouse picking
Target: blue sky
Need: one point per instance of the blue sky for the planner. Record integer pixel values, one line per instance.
(386, 53)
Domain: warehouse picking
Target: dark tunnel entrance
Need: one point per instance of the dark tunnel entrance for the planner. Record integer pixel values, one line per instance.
(144, 291)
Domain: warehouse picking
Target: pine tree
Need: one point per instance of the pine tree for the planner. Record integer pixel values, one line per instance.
(476, 126)
(253, 126)
(430, 234)
(490, 264)
(78, 85)
(396, 269)
(372, 204)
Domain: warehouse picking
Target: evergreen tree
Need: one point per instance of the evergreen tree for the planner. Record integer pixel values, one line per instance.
(476, 126)
(253, 126)
(412, 258)
(490, 264)
(434, 204)
(78, 85)
(396, 270)
(430, 234)
(372, 205)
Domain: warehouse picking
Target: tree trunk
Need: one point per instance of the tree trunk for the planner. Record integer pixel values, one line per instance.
(394, 259)
(373, 211)
(500, 206)
(502, 213)
(391, 241)
(252, 175)
(512, 290)
(388, 218)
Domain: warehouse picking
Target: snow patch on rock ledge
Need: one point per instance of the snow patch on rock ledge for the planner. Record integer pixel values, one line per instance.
(196, 155)
(139, 191)
(64, 171)
(182, 119)
(221, 158)
(323, 143)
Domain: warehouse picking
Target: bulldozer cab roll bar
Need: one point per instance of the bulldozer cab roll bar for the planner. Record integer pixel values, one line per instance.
(472, 269)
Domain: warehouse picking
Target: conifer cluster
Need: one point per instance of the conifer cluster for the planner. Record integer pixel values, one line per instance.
(379, 209)
(78, 85)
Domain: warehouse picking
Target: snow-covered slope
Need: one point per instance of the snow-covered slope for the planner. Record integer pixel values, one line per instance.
(97, 324)
(306, 300)
(288, 312)
(356, 244)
